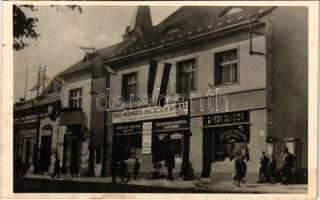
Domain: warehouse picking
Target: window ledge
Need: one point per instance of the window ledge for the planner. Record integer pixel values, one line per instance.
(227, 84)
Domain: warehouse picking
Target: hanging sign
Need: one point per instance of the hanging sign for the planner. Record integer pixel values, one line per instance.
(146, 137)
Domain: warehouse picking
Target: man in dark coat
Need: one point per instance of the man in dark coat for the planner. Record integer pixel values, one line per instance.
(56, 169)
(122, 169)
(113, 169)
(18, 168)
(264, 160)
(288, 163)
(136, 169)
(272, 169)
(170, 163)
(240, 168)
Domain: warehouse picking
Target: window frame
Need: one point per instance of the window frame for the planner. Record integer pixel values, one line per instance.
(178, 72)
(125, 97)
(78, 97)
(222, 50)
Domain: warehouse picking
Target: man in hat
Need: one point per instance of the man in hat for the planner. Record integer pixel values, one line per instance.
(288, 163)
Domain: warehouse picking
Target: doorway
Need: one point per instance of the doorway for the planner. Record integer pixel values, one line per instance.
(45, 152)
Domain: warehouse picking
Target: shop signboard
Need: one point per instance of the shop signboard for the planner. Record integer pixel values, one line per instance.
(171, 125)
(155, 112)
(146, 137)
(127, 129)
(226, 118)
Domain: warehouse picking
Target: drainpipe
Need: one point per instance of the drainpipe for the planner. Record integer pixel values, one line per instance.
(105, 132)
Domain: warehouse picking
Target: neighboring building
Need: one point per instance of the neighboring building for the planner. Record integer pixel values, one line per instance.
(197, 49)
(36, 130)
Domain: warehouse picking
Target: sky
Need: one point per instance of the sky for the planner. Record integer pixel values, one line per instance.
(63, 31)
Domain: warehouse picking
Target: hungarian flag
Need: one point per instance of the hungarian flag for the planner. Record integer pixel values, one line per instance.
(158, 81)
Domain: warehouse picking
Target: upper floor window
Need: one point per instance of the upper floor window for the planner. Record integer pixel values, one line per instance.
(226, 67)
(129, 85)
(186, 75)
(75, 98)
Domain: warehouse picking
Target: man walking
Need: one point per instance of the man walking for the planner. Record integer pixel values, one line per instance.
(113, 169)
(288, 163)
(56, 169)
(264, 160)
(272, 169)
(170, 163)
(136, 169)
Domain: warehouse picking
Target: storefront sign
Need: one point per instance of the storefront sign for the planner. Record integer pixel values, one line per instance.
(226, 118)
(127, 129)
(156, 112)
(28, 133)
(169, 125)
(26, 126)
(146, 137)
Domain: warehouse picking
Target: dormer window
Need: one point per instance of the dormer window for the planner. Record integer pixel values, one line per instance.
(171, 29)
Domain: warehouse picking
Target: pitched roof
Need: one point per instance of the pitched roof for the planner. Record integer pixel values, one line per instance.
(42, 100)
(189, 22)
(184, 24)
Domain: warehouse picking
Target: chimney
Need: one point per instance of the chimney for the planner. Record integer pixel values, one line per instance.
(141, 23)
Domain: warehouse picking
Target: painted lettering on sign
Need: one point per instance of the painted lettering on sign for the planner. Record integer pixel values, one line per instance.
(156, 112)
(227, 118)
(146, 137)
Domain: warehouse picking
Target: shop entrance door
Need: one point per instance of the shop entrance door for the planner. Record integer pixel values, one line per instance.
(207, 152)
(71, 154)
(45, 152)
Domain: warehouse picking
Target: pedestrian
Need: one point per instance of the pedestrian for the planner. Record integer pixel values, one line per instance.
(272, 169)
(136, 169)
(56, 168)
(123, 168)
(263, 172)
(18, 168)
(113, 169)
(288, 163)
(74, 167)
(240, 168)
(243, 169)
(170, 163)
(236, 172)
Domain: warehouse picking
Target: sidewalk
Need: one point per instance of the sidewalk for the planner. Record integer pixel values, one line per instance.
(205, 186)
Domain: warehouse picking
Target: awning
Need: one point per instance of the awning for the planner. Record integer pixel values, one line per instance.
(72, 118)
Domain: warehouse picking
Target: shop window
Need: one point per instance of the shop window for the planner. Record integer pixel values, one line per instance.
(125, 146)
(163, 143)
(129, 85)
(186, 75)
(75, 98)
(230, 140)
(226, 67)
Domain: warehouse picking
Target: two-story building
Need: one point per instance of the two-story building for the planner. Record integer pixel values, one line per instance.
(36, 130)
(233, 81)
